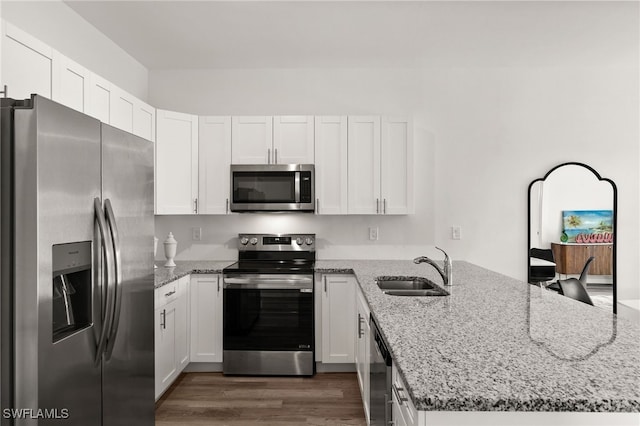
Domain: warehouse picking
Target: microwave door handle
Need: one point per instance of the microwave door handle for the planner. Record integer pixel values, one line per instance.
(115, 238)
(297, 186)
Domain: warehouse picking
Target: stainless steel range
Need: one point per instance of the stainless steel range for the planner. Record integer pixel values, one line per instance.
(268, 306)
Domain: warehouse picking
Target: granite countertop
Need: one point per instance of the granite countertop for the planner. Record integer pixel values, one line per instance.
(497, 343)
(185, 267)
(494, 344)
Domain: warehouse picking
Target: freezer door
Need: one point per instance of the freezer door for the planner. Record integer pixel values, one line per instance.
(57, 163)
(128, 364)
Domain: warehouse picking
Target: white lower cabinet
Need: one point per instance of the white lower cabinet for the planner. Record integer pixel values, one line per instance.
(206, 318)
(337, 294)
(171, 332)
(403, 411)
(362, 355)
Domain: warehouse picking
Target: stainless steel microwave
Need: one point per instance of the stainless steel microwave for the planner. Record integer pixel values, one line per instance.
(272, 188)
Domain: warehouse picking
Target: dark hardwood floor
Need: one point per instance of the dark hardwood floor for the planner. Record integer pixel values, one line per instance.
(215, 399)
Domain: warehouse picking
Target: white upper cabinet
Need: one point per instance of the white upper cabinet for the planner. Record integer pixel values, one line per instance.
(214, 144)
(293, 139)
(144, 120)
(71, 83)
(27, 64)
(100, 93)
(364, 165)
(122, 108)
(380, 165)
(396, 178)
(252, 140)
(331, 164)
(176, 163)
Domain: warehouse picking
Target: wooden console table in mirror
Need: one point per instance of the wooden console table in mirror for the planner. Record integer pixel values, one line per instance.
(570, 258)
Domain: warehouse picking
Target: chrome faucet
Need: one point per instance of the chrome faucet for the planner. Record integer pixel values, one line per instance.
(446, 273)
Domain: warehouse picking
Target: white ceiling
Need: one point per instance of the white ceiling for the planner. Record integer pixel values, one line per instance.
(272, 34)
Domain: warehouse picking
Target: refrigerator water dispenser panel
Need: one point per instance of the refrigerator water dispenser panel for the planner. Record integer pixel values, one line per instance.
(71, 288)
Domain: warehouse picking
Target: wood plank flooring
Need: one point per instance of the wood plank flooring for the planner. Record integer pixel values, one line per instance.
(214, 399)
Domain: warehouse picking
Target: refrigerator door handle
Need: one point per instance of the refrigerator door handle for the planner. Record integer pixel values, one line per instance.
(107, 247)
(115, 239)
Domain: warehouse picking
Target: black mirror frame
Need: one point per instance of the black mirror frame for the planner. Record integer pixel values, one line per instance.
(615, 223)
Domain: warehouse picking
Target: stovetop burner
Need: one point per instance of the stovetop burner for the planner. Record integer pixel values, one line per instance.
(271, 267)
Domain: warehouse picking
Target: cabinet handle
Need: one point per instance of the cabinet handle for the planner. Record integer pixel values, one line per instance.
(268, 155)
(397, 390)
(163, 321)
(218, 283)
(377, 205)
(384, 206)
(359, 326)
(170, 293)
(324, 279)
(275, 156)
(227, 208)
(317, 205)
(195, 205)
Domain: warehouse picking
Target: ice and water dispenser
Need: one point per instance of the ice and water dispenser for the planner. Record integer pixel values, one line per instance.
(71, 288)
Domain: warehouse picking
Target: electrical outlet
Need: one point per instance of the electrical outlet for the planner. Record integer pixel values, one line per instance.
(373, 234)
(456, 232)
(196, 234)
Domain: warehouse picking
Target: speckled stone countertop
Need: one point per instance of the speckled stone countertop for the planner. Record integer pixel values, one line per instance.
(166, 275)
(497, 343)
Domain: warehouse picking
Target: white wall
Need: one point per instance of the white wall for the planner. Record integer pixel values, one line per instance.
(57, 25)
(482, 135)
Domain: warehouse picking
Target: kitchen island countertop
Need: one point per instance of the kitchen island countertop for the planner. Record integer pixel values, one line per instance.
(494, 344)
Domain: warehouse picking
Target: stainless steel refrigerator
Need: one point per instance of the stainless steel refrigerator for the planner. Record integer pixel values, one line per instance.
(76, 301)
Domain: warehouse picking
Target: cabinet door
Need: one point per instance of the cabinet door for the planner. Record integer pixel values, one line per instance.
(100, 98)
(364, 165)
(165, 343)
(252, 140)
(338, 312)
(206, 318)
(362, 348)
(71, 83)
(27, 64)
(603, 262)
(144, 120)
(396, 157)
(122, 107)
(293, 139)
(182, 325)
(331, 164)
(214, 144)
(176, 163)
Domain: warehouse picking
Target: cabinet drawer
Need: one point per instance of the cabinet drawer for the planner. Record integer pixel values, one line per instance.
(167, 293)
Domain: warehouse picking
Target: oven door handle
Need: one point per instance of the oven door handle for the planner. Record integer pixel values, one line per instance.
(267, 283)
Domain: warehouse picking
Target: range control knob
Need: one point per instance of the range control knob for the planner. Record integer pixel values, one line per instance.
(244, 241)
(299, 241)
(253, 241)
(309, 241)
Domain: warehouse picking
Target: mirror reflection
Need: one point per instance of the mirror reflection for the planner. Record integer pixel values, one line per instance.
(572, 236)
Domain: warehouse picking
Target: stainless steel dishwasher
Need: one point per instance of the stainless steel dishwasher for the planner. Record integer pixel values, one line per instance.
(379, 379)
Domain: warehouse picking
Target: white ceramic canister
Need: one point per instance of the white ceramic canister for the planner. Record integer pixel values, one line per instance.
(170, 247)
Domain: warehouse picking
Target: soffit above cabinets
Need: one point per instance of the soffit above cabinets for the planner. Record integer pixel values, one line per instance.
(295, 34)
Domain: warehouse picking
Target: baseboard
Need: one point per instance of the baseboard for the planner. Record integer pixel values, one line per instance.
(335, 368)
(203, 367)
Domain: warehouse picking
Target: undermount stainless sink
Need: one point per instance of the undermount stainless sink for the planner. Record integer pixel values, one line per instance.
(409, 286)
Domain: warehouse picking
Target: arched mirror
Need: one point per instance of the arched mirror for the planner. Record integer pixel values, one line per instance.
(572, 234)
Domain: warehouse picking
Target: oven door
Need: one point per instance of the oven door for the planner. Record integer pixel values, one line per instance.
(285, 187)
(268, 324)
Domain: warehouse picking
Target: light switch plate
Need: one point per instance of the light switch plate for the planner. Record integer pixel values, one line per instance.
(456, 232)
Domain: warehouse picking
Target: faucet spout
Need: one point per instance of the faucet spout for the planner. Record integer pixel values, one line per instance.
(446, 272)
